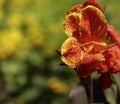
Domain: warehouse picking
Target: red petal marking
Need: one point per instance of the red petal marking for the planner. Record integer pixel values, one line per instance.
(105, 80)
(114, 35)
(93, 25)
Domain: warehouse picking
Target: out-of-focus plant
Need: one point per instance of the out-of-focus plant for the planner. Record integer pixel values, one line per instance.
(30, 32)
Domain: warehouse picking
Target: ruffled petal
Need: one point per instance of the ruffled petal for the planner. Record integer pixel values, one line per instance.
(89, 64)
(112, 58)
(93, 3)
(71, 23)
(114, 35)
(93, 25)
(71, 52)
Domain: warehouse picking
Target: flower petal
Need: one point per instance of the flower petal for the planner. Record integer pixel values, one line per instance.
(75, 8)
(89, 64)
(114, 35)
(93, 3)
(112, 58)
(93, 25)
(93, 47)
(71, 52)
(71, 23)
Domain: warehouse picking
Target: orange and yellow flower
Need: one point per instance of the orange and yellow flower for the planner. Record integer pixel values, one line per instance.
(86, 49)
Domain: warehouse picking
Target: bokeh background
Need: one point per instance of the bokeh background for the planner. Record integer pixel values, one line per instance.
(30, 33)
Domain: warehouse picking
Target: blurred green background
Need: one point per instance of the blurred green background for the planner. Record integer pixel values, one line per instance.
(30, 33)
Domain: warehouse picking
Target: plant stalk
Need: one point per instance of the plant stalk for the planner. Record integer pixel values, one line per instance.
(87, 82)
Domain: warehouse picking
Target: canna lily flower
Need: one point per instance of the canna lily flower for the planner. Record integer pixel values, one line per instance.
(87, 33)
(86, 49)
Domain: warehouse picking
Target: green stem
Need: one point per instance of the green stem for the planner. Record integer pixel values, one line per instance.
(87, 82)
